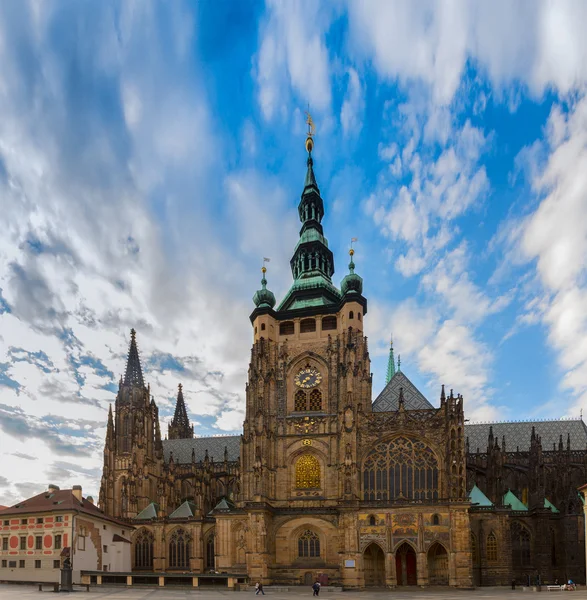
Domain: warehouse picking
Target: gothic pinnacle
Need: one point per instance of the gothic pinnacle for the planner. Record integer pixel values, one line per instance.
(134, 372)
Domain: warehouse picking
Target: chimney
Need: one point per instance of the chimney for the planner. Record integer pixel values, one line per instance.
(90, 499)
(52, 488)
(77, 492)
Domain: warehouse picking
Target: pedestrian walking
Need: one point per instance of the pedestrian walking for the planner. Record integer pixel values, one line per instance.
(316, 588)
(259, 588)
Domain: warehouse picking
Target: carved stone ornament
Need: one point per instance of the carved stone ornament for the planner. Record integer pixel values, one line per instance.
(307, 424)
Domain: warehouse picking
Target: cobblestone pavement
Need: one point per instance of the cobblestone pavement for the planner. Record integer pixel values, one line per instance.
(28, 592)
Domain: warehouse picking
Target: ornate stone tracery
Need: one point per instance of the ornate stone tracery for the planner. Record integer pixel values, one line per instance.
(402, 468)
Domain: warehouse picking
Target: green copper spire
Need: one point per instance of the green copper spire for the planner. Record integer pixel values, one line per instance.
(352, 283)
(390, 364)
(264, 297)
(312, 264)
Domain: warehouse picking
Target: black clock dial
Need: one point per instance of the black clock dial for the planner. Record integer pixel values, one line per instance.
(308, 377)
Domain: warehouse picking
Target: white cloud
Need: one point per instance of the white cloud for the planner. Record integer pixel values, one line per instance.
(293, 56)
(353, 105)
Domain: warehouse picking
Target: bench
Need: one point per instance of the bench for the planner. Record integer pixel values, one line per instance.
(555, 588)
(53, 583)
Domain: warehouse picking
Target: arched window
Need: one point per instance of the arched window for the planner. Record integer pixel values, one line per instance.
(300, 400)
(351, 315)
(309, 545)
(520, 545)
(179, 550)
(255, 331)
(491, 547)
(435, 520)
(144, 550)
(307, 325)
(372, 520)
(210, 558)
(404, 468)
(315, 400)
(359, 316)
(286, 328)
(328, 323)
(262, 326)
(307, 472)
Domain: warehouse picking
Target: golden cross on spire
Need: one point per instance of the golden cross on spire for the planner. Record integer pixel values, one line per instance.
(311, 131)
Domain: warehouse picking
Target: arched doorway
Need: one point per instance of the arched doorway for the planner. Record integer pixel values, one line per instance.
(437, 565)
(374, 566)
(405, 565)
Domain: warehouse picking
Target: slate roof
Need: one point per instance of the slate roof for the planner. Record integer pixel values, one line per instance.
(182, 449)
(519, 434)
(388, 399)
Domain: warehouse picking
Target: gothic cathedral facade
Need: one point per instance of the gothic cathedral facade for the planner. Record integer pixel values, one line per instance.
(323, 482)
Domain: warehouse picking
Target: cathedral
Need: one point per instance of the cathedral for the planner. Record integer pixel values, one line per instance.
(325, 482)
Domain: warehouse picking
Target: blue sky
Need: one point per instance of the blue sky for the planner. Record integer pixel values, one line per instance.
(151, 154)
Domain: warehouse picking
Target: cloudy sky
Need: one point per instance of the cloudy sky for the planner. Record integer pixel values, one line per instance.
(152, 153)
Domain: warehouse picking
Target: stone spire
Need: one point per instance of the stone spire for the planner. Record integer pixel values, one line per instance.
(180, 427)
(110, 430)
(390, 364)
(134, 373)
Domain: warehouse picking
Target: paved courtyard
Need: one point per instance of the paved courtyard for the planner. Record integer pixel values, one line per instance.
(8, 592)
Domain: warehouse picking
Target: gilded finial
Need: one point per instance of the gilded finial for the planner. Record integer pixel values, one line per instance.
(310, 133)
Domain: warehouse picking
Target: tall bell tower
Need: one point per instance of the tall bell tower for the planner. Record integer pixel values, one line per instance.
(309, 378)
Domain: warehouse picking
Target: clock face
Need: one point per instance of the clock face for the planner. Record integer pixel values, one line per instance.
(308, 377)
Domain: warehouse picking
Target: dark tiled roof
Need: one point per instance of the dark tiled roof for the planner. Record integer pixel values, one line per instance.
(58, 501)
(182, 449)
(388, 399)
(518, 434)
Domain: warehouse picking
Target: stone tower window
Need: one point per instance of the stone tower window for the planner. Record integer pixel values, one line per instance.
(210, 554)
(179, 550)
(307, 472)
(309, 545)
(286, 328)
(300, 400)
(359, 316)
(315, 400)
(126, 433)
(328, 323)
(435, 520)
(372, 520)
(403, 468)
(351, 315)
(491, 547)
(144, 550)
(262, 326)
(307, 325)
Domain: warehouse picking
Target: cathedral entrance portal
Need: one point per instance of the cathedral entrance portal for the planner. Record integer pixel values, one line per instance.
(374, 566)
(405, 565)
(437, 565)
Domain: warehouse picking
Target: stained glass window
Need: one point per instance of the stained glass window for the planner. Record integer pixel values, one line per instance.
(520, 545)
(307, 472)
(491, 547)
(315, 400)
(144, 550)
(179, 550)
(309, 545)
(403, 468)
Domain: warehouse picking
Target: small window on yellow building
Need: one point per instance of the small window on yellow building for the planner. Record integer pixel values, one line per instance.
(307, 472)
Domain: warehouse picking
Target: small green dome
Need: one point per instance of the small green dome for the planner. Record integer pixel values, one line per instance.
(264, 297)
(352, 283)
